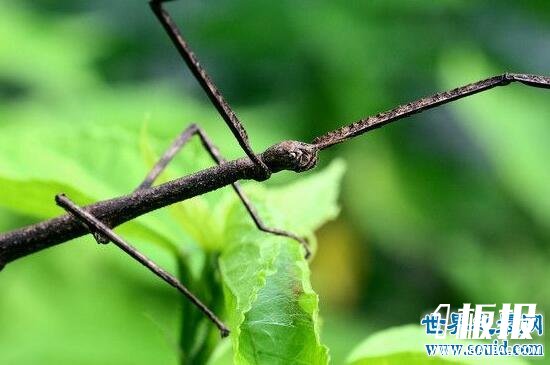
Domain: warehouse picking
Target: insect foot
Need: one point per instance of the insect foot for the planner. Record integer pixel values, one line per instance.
(291, 155)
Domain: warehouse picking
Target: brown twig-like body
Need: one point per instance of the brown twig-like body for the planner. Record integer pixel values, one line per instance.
(287, 155)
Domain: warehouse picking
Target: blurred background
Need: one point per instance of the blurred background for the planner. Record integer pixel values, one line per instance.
(450, 206)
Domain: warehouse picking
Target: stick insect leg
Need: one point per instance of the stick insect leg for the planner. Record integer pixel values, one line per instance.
(168, 156)
(214, 152)
(208, 85)
(364, 125)
(94, 225)
(157, 169)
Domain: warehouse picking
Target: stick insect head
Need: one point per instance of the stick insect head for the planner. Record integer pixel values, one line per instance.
(291, 155)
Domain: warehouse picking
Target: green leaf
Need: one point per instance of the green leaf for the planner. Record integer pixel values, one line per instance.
(406, 345)
(400, 345)
(271, 306)
(304, 196)
(36, 192)
(33, 173)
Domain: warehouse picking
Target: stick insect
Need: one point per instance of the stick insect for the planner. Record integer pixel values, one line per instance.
(100, 218)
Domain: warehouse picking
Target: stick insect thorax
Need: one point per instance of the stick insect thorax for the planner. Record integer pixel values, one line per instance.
(287, 155)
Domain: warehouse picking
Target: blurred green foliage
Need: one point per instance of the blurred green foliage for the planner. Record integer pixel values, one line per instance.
(449, 206)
